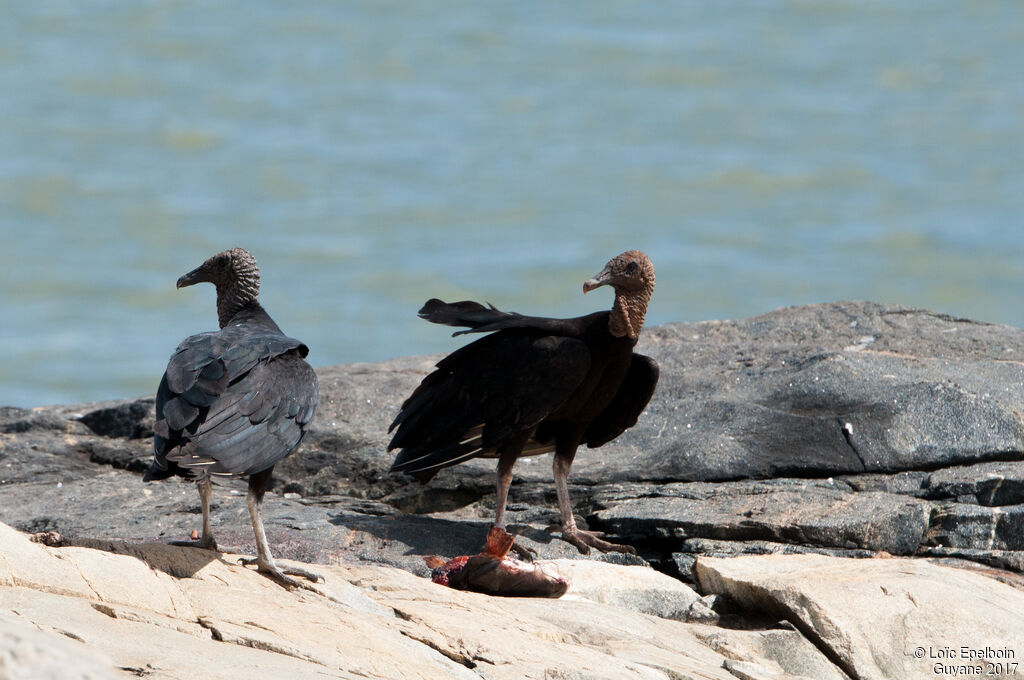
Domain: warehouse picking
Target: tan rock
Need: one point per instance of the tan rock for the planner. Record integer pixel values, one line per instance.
(177, 613)
(28, 653)
(884, 618)
(640, 589)
(780, 652)
(170, 612)
(28, 564)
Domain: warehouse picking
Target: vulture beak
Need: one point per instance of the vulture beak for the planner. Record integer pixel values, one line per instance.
(602, 279)
(197, 275)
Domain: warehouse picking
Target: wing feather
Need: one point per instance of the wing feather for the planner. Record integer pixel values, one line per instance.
(485, 319)
(483, 394)
(627, 404)
(234, 401)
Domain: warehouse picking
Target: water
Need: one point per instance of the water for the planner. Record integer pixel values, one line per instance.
(372, 155)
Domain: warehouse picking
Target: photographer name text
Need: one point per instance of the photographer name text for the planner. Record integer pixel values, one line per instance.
(967, 661)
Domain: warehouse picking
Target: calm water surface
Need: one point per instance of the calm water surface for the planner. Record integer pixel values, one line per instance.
(372, 155)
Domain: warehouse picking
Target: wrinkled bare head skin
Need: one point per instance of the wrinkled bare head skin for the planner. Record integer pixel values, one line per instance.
(631, 274)
(236, 276)
(628, 272)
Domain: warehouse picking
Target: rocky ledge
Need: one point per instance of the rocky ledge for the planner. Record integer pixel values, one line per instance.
(151, 610)
(847, 430)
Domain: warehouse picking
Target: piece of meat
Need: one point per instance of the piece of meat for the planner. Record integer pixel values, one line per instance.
(495, 573)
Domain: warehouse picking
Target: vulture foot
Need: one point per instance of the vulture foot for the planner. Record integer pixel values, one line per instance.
(585, 540)
(281, 575)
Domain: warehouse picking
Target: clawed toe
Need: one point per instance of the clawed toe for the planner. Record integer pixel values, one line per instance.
(308, 575)
(585, 540)
(278, 574)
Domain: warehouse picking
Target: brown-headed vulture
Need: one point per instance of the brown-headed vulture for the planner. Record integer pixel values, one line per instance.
(533, 385)
(234, 402)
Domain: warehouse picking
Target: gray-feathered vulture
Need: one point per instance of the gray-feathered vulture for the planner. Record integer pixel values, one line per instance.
(532, 386)
(234, 402)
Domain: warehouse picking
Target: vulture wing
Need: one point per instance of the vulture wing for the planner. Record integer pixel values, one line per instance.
(484, 319)
(627, 404)
(484, 394)
(235, 401)
(256, 422)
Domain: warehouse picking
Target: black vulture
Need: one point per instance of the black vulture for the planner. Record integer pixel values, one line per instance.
(234, 402)
(532, 386)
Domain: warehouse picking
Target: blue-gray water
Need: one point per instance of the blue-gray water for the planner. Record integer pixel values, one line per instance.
(372, 155)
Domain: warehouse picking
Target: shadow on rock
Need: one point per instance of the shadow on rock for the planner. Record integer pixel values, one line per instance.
(174, 560)
(421, 535)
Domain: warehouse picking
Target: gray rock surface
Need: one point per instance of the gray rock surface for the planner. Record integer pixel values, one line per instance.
(845, 428)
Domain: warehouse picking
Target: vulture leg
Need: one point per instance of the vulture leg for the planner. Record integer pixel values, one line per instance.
(264, 561)
(504, 481)
(583, 540)
(505, 462)
(207, 542)
(508, 453)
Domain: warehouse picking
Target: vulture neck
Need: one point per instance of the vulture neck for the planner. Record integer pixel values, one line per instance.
(628, 312)
(232, 298)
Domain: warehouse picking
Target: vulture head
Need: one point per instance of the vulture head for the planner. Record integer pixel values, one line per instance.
(630, 272)
(235, 274)
(225, 269)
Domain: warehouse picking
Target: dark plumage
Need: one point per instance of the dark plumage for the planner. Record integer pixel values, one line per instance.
(235, 401)
(532, 386)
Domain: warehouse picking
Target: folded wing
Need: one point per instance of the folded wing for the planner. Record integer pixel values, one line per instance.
(234, 401)
(483, 394)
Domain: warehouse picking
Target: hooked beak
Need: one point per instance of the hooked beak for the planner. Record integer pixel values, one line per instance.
(197, 275)
(602, 279)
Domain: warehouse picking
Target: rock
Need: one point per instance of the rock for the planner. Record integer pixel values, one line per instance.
(958, 525)
(989, 484)
(132, 420)
(829, 389)
(178, 612)
(27, 653)
(805, 512)
(819, 390)
(744, 670)
(879, 618)
(903, 421)
(909, 482)
(686, 561)
(700, 612)
(1000, 559)
(781, 652)
(846, 430)
(639, 589)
